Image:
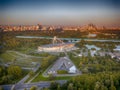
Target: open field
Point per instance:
(23, 60)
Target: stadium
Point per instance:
(57, 46)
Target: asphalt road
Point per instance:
(41, 84)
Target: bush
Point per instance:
(33, 88)
(62, 72)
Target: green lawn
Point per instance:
(41, 78)
(7, 57)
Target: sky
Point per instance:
(60, 12)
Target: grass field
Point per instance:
(41, 78)
(7, 57)
(19, 59)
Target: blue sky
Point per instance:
(60, 12)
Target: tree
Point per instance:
(1, 71)
(44, 89)
(15, 71)
(58, 87)
(112, 87)
(53, 86)
(104, 87)
(31, 73)
(70, 86)
(33, 88)
(97, 86)
(93, 49)
(51, 77)
(25, 89)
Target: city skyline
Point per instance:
(60, 12)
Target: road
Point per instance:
(34, 77)
(38, 84)
(41, 84)
(27, 76)
(21, 85)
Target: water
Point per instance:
(70, 39)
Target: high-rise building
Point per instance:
(39, 27)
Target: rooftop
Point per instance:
(56, 45)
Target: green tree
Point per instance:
(1, 71)
(31, 73)
(70, 86)
(104, 87)
(6, 79)
(97, 86)
(112, 87)
(15, 71)
(53, 86)
(51, 77)
(25, 89)
(33, 88)
(58, 87)
(45, 89)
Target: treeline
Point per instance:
(110, 31)
(89, 64)
(107, 46)
(108, 34)
(10, 42)
(104, 34)
(99, 81)
(10, 74)
(68, 33)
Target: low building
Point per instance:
(63, 63)
(117, 48)
(92, 35)
(72, 69)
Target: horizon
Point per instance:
(82, 25)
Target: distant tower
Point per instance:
(91, 27)
(20, 28)
(59, 29)
(104, 28)
(39, 27)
